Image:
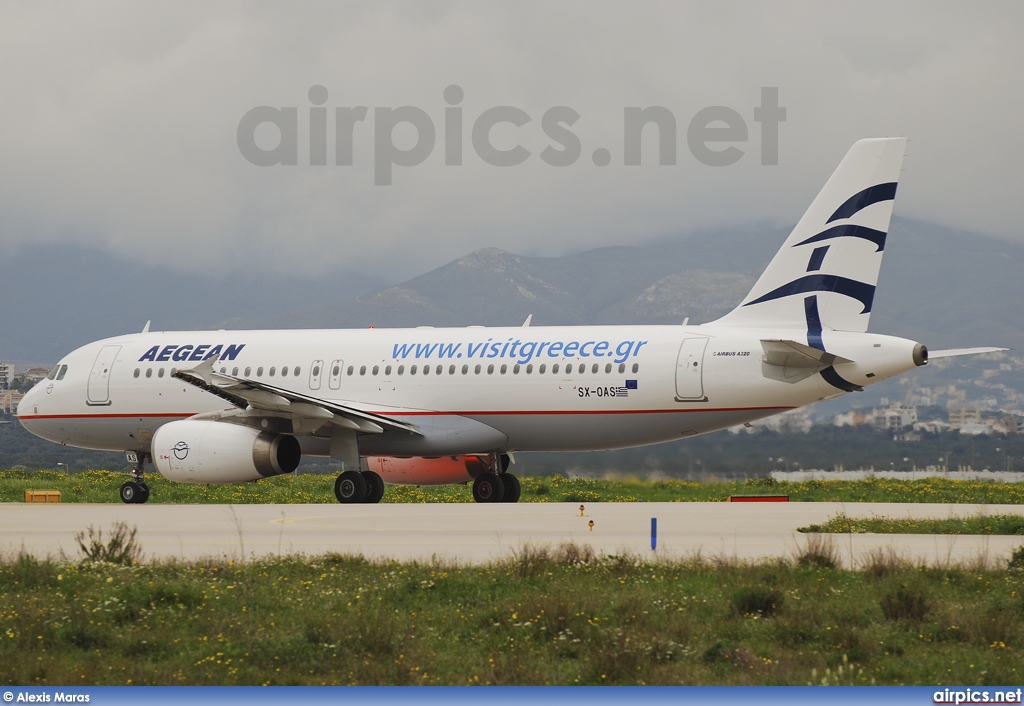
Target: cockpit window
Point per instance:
(52, 375)
(63, 372)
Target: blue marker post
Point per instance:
(654, 533)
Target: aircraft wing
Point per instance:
(244, 393)
(952, 352)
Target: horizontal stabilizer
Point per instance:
(790, 354)
(953, 352)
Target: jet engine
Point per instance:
(198, 451)
(427, 470)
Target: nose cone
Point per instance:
(28, 408)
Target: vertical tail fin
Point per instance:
(824, 276)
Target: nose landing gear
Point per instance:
(135, 491)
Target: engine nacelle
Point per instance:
(197, 451)
(427, 470)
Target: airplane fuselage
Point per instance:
(468, 390)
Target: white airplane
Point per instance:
(435, 406)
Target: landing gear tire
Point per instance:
(350, 487)
(144, 495)
(374, 487)
(488, 488)
(132, 493)
(512, 488)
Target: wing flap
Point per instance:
(244, 393)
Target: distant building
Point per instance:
(9, 401)
(34, 375)
(6, 375)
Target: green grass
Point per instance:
(979, 524)
(544, 616)
(101, 486)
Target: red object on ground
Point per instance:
(759, 498)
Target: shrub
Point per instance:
(906, 603)
(757, 600)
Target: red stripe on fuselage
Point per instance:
(475, 413)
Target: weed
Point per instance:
(119, 549)
(1017, 559)
(820, 552)
(882, 562)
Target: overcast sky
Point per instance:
(119, 123)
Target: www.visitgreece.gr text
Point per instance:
(521, 351)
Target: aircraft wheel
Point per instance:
(375, 487)
(512, 488)
(144, 494)
(350, 487)
(488, 488)
(131, 493)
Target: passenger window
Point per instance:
(476, 371)
(595, 368)
(248, 372)
(622, 367)
(465, 369)
(515, 369)
(362, 370)
(529, 368)
(173, 371)
(160, 373)
(137, 372)
(149, 372)
(412, 370)
(451, 369)
(234, 371)
(401, 369)
(554, 369)
(349, 372)
(272, 371)
(284, 371)
(387, 371)
(636, 367)
(297, 371)
(440, 369)
(504, 368)
(316, 370)
(224, 370)
(376, 369)
(608, 368)
(568, 368)
(490, 369)
(426, 370)
(542, 368)
(259, 372)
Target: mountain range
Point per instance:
(945, 287)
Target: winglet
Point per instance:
(526, 324)
(145, 329)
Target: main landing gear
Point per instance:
(497, 485)
(135, 491)
(359, 487)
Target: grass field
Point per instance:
(546, 616)
(979, 524)
(100, 486)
